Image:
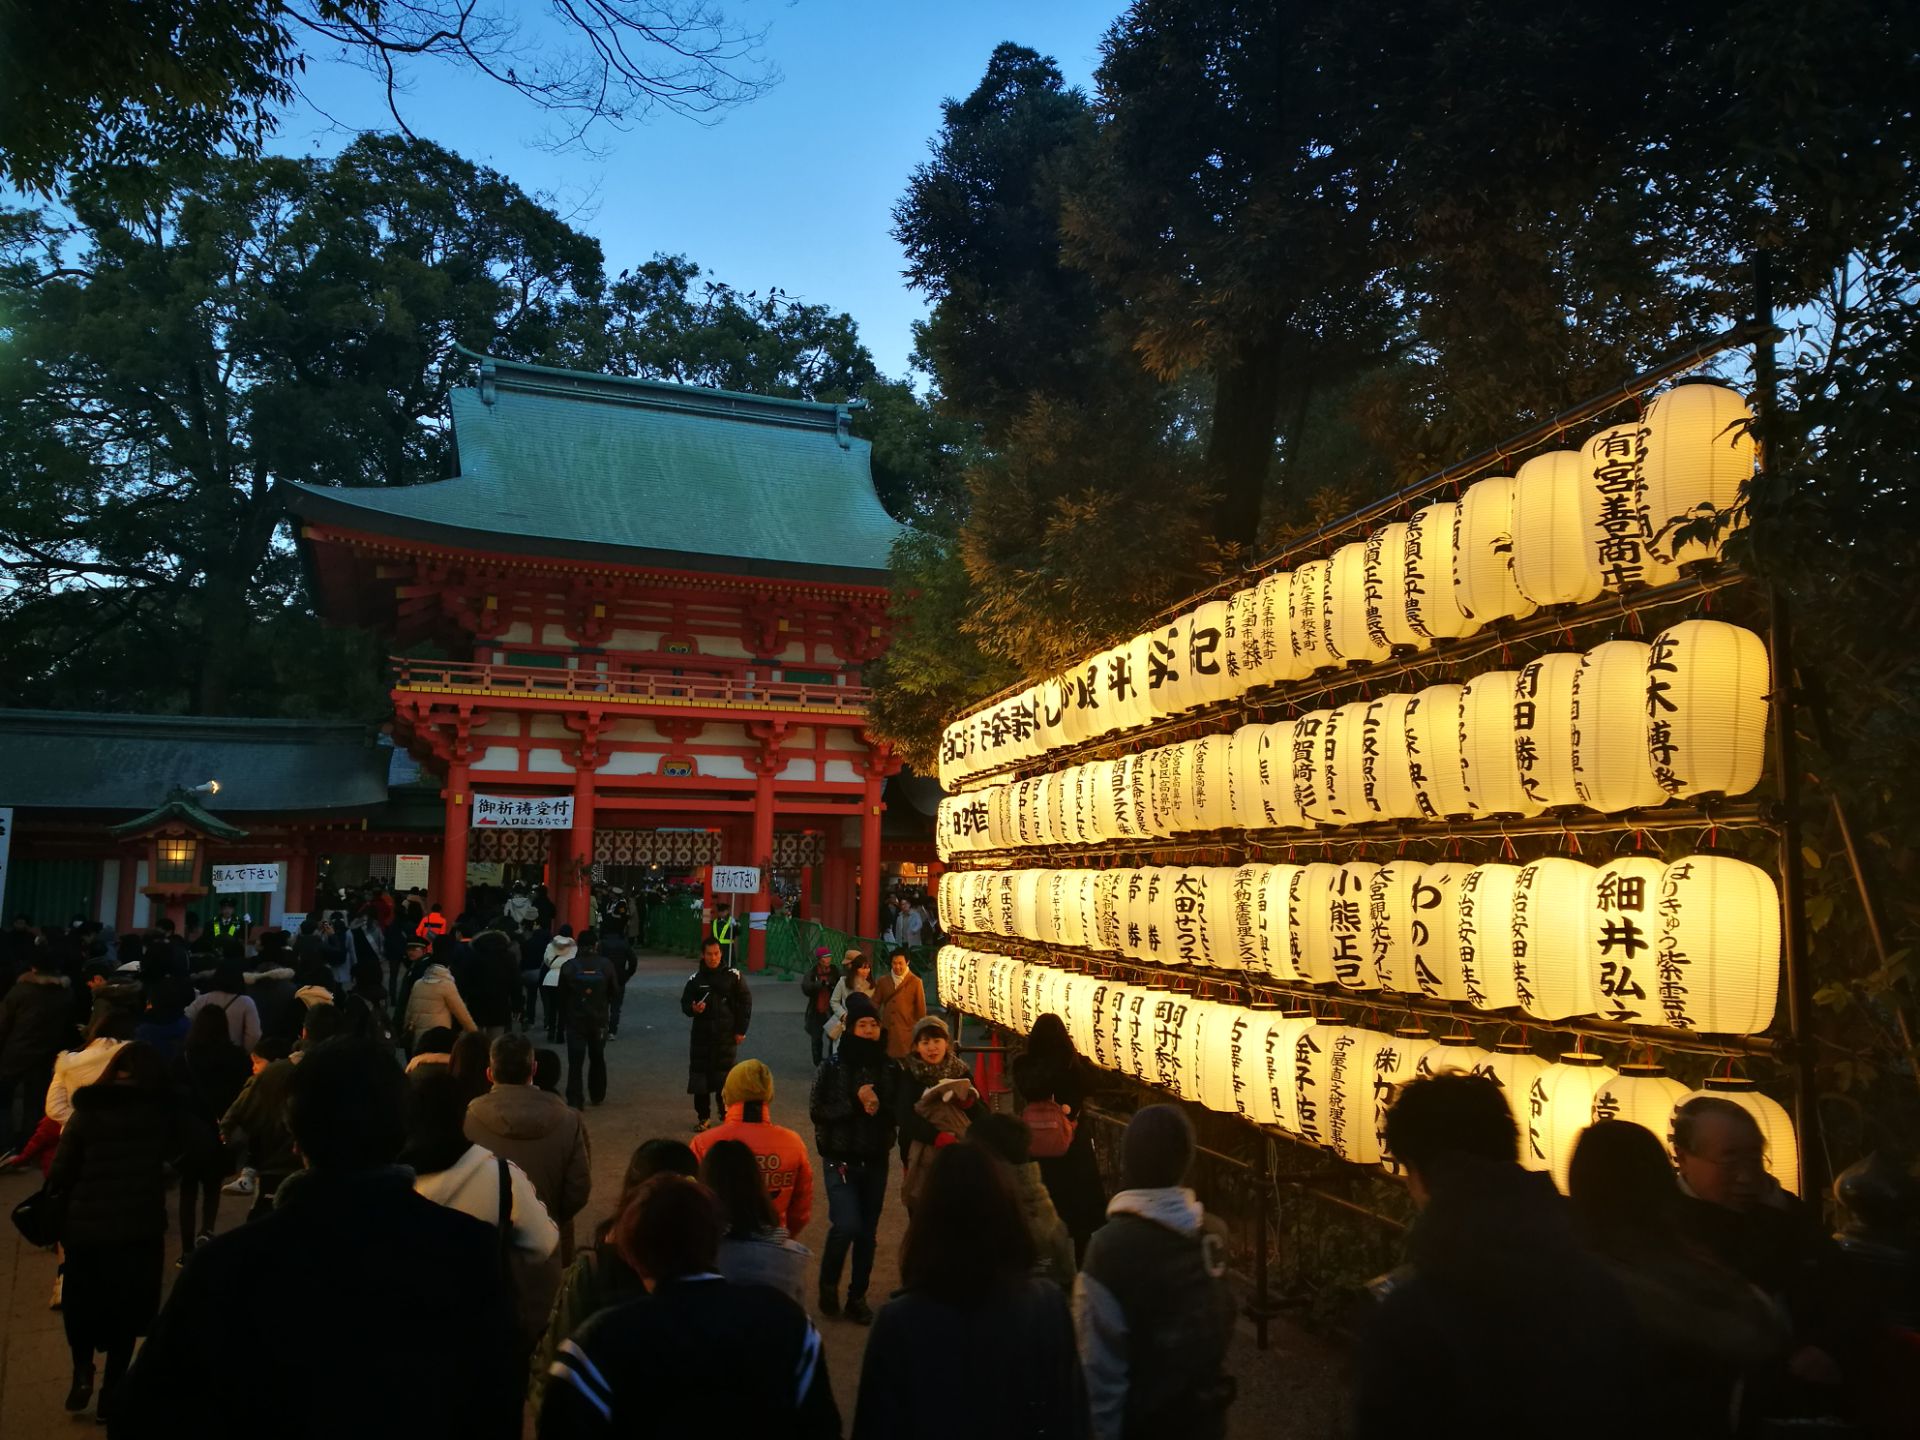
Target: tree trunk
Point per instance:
(220, 627)
(1246, 419)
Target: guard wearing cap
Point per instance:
(784, 1167)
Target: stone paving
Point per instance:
(1294, 1389)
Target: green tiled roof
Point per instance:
(639, 472)
(72, 760)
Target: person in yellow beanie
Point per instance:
(781, 1154)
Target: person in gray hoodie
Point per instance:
(536, 1130)
(1151, 1305)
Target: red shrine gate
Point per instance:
(651, 598)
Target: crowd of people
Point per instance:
(396, 1131)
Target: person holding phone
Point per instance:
(717, 1000)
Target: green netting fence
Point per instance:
(677, 930)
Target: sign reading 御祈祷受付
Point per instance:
(522, 812)
(246, 879)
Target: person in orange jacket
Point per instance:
(433, 924)
(781, 1153)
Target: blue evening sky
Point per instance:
(794, 189)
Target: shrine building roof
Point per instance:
(77, 760)
(572, 465)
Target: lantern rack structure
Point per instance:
(1776, 814)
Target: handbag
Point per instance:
(1052, 1129)
(38, 1218)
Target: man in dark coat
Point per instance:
(36, 1023)
(589, 986)
(348, 1239)
(717, 1000)
(490, 982)
(852, 1106)
(1487, 1236)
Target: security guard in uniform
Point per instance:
(227, 927)
(724, 929)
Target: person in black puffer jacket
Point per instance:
(490, 981)
(110, 1175)
(852, 1105)
(718, 1002)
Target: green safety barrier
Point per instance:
(791, 943)
(675, 929)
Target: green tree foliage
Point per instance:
(121, 90)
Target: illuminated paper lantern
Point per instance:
(1212, 678)
(1249, 895)
(1352, 636)
(1170, 1051)
(1716, 949)
(1450, 1053)
(1241, 645)
(1104, 927)
(1314, 1077)
(1250, 1095)
(1209, 803)
(1133, 1033)
(1082, 1003)
(1483, 553)
(1554, 563)
(1437, 963)
(1340, 927)
(1696, 454)
(1543, 729)
(1200, 905)
(1641, 1095)
(1488, 759)
(1051, 713)
(1133, 797)
(1082, 692)
(1559, 1107)
(1514, 1068)
(1349, 1095)
(1261, 776)
(1211, 1067)
(1386, 771)
(1308, 894)
(1391, 923)
(1611, 770)
(1621, 925)
(1310, 793)
(1270, 651)
(1306, 626)
(1489, 766)
(1223, 916)
(1273, 936)
(1433, 609)
(1553, 977)
(1483, 936)
(1381, 1063)
(1103, 819)
(1610, 513)
(1433, 752)
(1166, 668)
(1388, 628)
(1783, 1145)
(1707, 689)
(1274, 1065)
(1343, 753)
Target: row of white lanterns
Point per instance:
(1692, 945)
(1330, 1085)
(1623, 726)
(1568, 525)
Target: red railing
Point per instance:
(628, 687)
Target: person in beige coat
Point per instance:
(539, 1132)
(435, 1001)
(902, 1001)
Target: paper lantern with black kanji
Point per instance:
(1170, 1047)
(1249, 894)
(1103, 1010)
(1343, 749)
(1242, 644)
(1388, 627)
(1386, 773)
(1196, 902)
(1353, 639)
(1143, 895)
(1211, 1067)
(1166, 669)
(1483, 553)
(1610, 511)
(1514, 1068)
(1349, 1095)
(1450, 1053)
(1278, 1062)
(1642, 1095)
(1433, 752)
(1716, 946)
(1083, 999)
(1249, 1094)
(1212, 678)
(1188, 683)
(1433, 609)
(1273, 937)
(1559, 1107)
(1308, 895)
(1776, 1126)
(1622, 919)
(1543, 729)
(1278, 663)
(1314, 1052)
(1132, 798)
(1552, 970)
(1261, 774)
(1554, 563)
(1133, 1033)
(1309, 768)
(1084, 926)
(1489, 763)
(1391, 923)
(1706, 698)
(1080, 722)
(1696, 456)
(1483, 936)
(1339, 928)
(1611, 771)
(1383, 1064)
(1209, 803)
(1223, 915)
(1306, 625)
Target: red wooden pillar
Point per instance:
(453, 850)
(760, 852)
(578, 875)
(870, 808)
